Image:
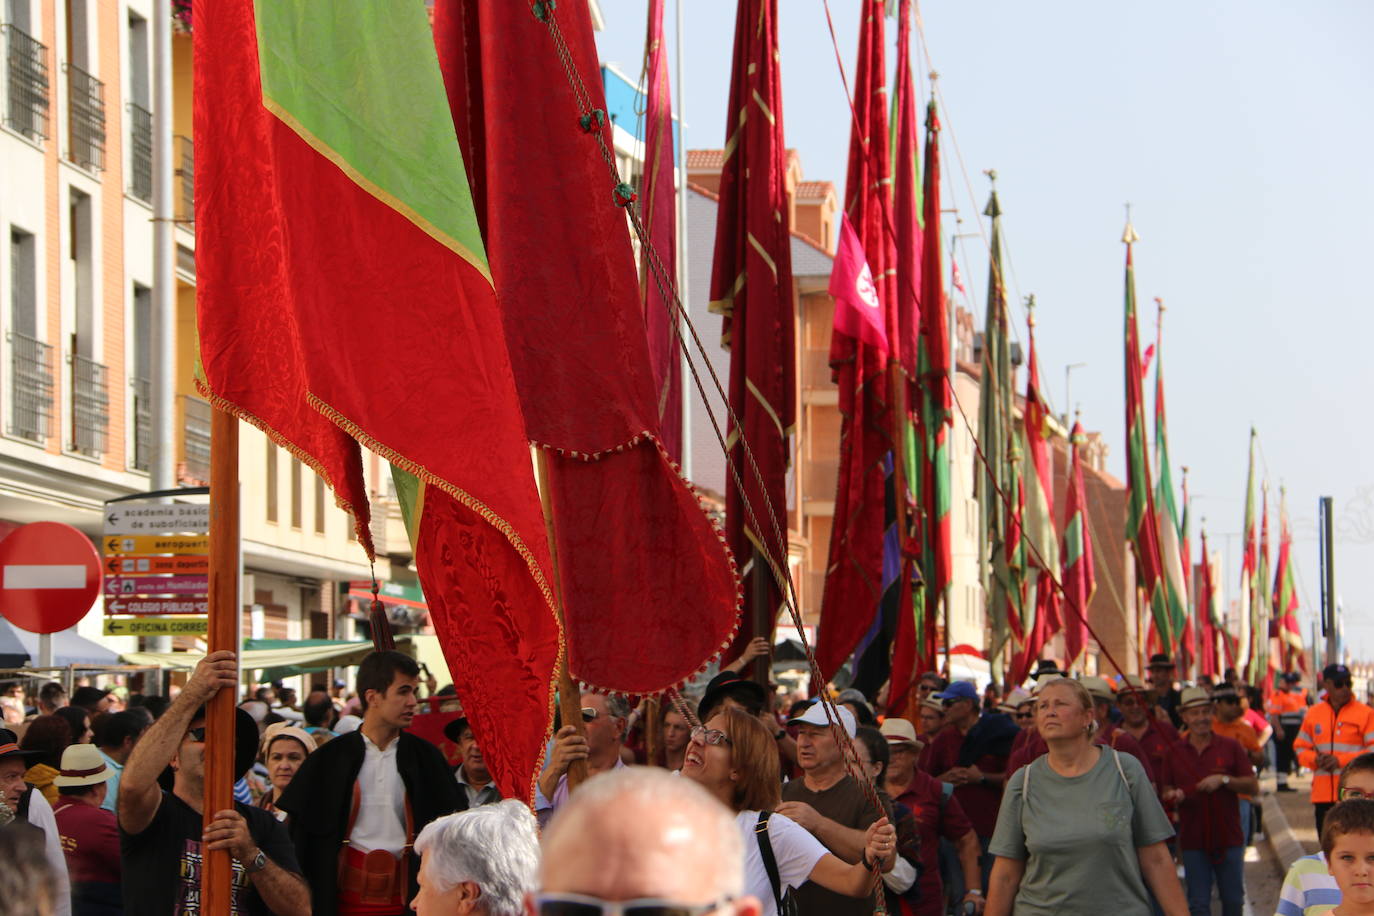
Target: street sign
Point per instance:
(188, 565)
(156, 626)
(49, 576)
(157, 585)
(144, 607)
(148, 518)
(155, 543)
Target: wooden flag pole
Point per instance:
(216, 867)
(569, 695)
(653, 733)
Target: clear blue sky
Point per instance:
(1241, 132)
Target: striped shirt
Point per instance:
(1308, 889)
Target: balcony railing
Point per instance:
(196, 433)
(31, 387)
(143, 423)
(141, 153)
(26, 84)
(90, 406)
(186, 175)
(86, 116)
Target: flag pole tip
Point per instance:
(1129, 235)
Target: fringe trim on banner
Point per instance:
(637, 440)
(220, 403)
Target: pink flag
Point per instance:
(958, 279)
(858, 313)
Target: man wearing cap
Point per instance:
(1167, 696)
(829, 803)
(1333, 733)
(938, 815)
(162, 835)
(92, 699)
(1154, 735)
(90, 835)
(29, 805)
(471, 773)
(1286, 709)
(1205, 774)
(971, 754)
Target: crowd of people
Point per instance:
(1056, 797)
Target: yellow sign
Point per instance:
(155, 543)
(156, 626)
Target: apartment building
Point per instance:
(76, 178)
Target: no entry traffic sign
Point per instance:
(49, 577)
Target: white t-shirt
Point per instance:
(795, 850)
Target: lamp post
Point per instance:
(1068, 402)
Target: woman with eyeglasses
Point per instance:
(735, 759)
(1308, 888)
(1081, 816)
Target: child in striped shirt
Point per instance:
(1309, 889)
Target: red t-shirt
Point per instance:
(1112, 736)
(90, 839)
(980, 802)
(1207, 820)
(933, 821)
(1025, 749)
(1158, 738)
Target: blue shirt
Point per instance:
(112, 785)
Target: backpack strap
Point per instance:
(770, 864)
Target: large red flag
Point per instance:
(344, 295)
(854, 572)
(751, 286)
(660, 219)
(649, 589)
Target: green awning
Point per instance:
(278, 658)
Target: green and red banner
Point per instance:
(1076, 556)
(1289, 634)
(345, 297)
(1040, 609)
(1170, 519)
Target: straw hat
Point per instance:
(1100, 688)
(82, 765)
(900, 732)
(1194, 696)
(1014, 700)
(1132, 683)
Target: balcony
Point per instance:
(140, 153)
(26, 84)
(90, 406)
(86, 116)
(31, 388)
(143, 423)
(195, 428)
(186, 176)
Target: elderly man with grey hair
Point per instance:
(483, 861)
(642, 840)
(604, 719)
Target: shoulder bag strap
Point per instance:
(770, 864)
(1116, 757)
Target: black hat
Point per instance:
(246, 740)
(88, 696)
(731, 683)
(1161, 660)
(1292, 677)
(1335, 673)
(9, 747)
(1225, 692)
(1046, 667)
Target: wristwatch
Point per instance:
(257, 863)
(1225, 779)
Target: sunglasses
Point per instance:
(1351, 794)
(579, 905)
(1340, 683)
(197, 735)
(1029, 714)
(712, 736)
(589, 714)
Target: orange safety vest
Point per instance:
(1345, 735)
(1284, 703)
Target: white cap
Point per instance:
(815, 715)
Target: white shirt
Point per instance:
(381, 822)
(41, 816)
(795, 850)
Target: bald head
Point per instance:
(640, 832)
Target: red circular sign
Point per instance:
(49, 577)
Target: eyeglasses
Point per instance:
(589, 714)
(1029, 714)
(710, 736)
(579, 905)
(1349, 794)
(950, 701)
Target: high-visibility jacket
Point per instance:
(1344, 735)
(1286, 703)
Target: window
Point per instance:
(31, 368)
(140, 112)
(295, 492)
(271, 481)
(141, 376)
(319, 504)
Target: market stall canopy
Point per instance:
(279, 658)
(68, 648)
